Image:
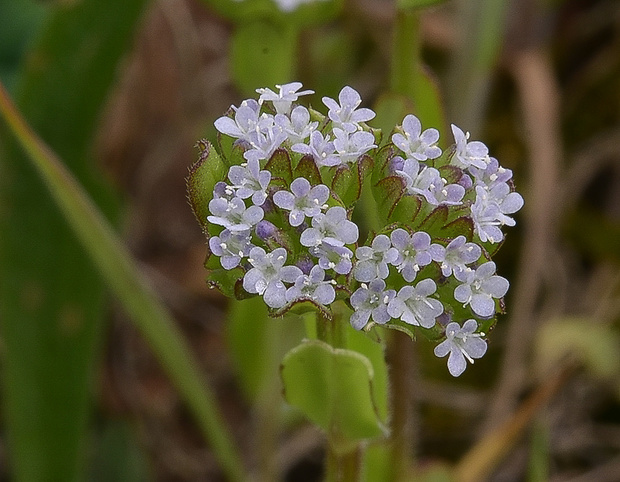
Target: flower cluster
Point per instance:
(280, 218)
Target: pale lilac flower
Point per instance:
(457, 255)
(337, 258)
(461, 343)
(413, 305)
(415, 143)
(419, 181)
(250, 181)
(231, 247)
(346, 115)
(264, 142)
(284, 98)
(480, 287)
(233, 215)
(320, 148)
(371, 301)
(312, 286)
(302, 201)
(247, 121)
(443, 193)
(490, 211)
(268, 275)
(351, 146)
(414, 251)
(373, 261)
(467, 154)
(331, 227)
(492, 175)
(298, 127)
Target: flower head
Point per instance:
(320, 148)
(250, 181)
(247, 120)
(462, 343)
(337, 258)
(457, 255)
(298, 127)
(233, 215)
(350, 146)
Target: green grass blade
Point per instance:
(117, 267)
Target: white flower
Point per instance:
(331, 227)
(346, 115)
(415, 143)
(231, 247)
(233, 215)
(302, 201)
(371, 300)
(473, 153)
(480, 287)
(414, 252)
(267, 276)
(312, 286)
(298, 127)
(250, 181)
(373, 261)
(413, 305)
(461, 343)
(284, 98)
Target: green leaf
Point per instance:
(375, 352)
(53, 301)
(435, 221)
(406, 210)
(348, 180)
(280, 166)
(382, 162)
(388, 193)
(262, 55)
(307, 168)
(460, 226)
(333, 388)
(203, 175)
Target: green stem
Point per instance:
(117, 267)
(406, 53)
(339, 466)
(407, 79)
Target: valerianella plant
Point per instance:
(277, 202)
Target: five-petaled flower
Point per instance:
(462, 343)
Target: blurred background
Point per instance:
(122, 90)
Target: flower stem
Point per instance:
(340, 466)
